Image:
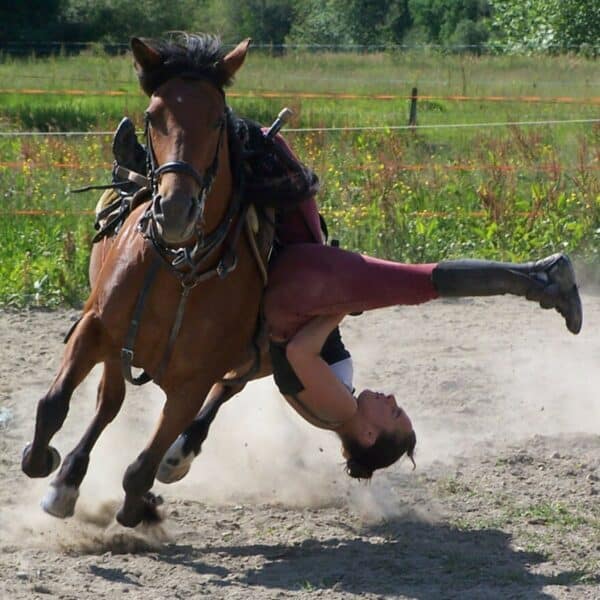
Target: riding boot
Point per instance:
(549, 281)
(128, 153)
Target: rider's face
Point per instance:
(382, 412)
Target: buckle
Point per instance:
(223, 269)
(182, 257)
(127, 354)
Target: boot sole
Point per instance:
(565, 277)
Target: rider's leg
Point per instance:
(128, 152)
(131, 155)
(308, 280)
(549, 281)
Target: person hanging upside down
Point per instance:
(313, 286)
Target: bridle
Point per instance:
(204, 180)
(186, 260)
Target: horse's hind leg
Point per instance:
(177, 414)
(179, 457)
(60, 499)
(84, 349)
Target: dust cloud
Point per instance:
(486, 389)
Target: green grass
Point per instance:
(506, 192)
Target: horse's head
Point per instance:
(186, 129)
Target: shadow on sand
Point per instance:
(397, 558)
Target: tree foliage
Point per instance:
(449, 22)
(118, 20)
(350, 22)
(550, 24)
(577, 23)
(30, 19)
(561, 25)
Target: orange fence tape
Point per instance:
(328, 95)
(53, 165)
(414, 167)
(425, 214)
(40, 92)
(40, 212)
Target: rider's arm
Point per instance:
(323, 394)
(309, 339)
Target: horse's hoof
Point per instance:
(51, 463)
(127, 518)
(60, 500)
(175, 463)
(53, 459)
(146, 510)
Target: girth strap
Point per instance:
(174, 332)
(127, 350)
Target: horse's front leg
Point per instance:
(179, 457)
(178, 412)
(84, 349)
(60, 499)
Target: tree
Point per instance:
(30, 20)
(319, 22)
(118, 20)
(265, 21)
(577, 23)
(451, 21)
(524, 23)
(550, 24)
(350, 22)
(398, 21)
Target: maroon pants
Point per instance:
(309, 280)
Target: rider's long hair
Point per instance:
(361, 460)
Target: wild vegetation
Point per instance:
(420, 194)
(497, 26)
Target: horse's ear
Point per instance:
(145, 57)
(235, 59)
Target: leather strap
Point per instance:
(128, 347)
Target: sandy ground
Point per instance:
(504, 503)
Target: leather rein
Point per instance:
(188, 263)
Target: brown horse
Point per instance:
(176, 292)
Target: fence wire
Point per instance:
(303, 130)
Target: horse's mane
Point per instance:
(189, 55)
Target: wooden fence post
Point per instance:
(412, 117)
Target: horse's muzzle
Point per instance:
(176, 218)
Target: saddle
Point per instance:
(273, 175)
(267, 173)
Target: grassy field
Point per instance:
(508, 192)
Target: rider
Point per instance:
(313, 286)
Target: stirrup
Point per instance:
(559, 289)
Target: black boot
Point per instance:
(549, 281)
(128, 152)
